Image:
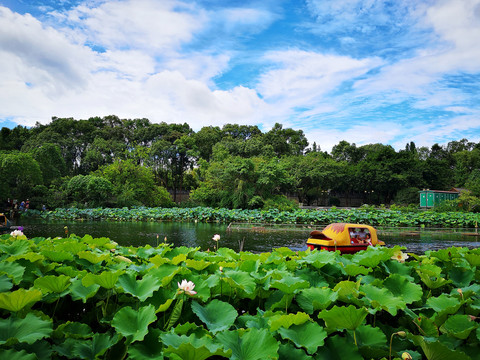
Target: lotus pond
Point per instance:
(255, 237)
(91, 298)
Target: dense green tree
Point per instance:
(19, 173)
(51, 162)
(90, 190)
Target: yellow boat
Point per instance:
(4, 222)
(345, 237)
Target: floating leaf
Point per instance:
(253, 344)
(191, 347)
(29, 329)
(343, 317)
(133, 324)
(308, 335)
(18, 299)
(142, 288)
(52, 283)
(217, 315)
(315, 299)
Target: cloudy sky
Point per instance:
(365, 71)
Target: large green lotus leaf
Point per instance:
(73, 330)
(201, 287)
(165, 273)
(277, 321)
(473, 259)
(430, 269)
(5, 283)
(372, 256)
(12, 270)
(96, 242)
(57, 256)
(29, 329)
(217, 315)
(312, 276)
(94, 348)
(289, 352)
(444, 304)
(80, 292)
(461, 277)
(319, 258)
(444, 254)
(278, 300)
(133, 324)
(309, 335)
(433, 282)
(396, 267)
(93, 258)
(107, 279)
(18, 299)
(382, 299)
(52, 283)
(191, 347)
(241, 280)
(141, 289)
(12, 354)
(343, 317)
(179, 259)
(29, 256)
(150, 348)
(289, 284)
(16, 248)
(71, 246)
(316, 299)
(438, 351)
(347, 290)
(338, 348)
(370, 336)
(354, 270)
(401, 286)
(197, 264)
(253, 344)
(459, 326)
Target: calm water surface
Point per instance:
(255, 238)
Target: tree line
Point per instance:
(113, 162)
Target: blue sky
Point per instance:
(365, 71)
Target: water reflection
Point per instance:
(255, 238)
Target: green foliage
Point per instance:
(90, 298)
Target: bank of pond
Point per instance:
(88, 297)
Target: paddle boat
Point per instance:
(344, 237)
(4, 222)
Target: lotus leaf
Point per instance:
(197, 264)
(241, 280)
(92, 258)
(191, 347)
(316, 299)
(343, 317)
(338, 348)
(473, 259)
(347, 290)
(319, 259)
(402, 287)
(438, 351)
(133, 324)
(12, 270)
(461, 277)
(52, 283)
(73, 330)
(106, 279)
(30, 256)
(277, 321)
(28, 330)
(141, 289)
(253, 344)
(71, 246)
(459, 326)
(149, 348)
(217, 315)
(80, 292)
(165, 273)
(309, 335)
(18, 299)
(289, 284)
(290, 352)
(12, 354)
(444, 304)
(57, 256)
(94, 348)
(373, 256)
(382, 299)
(370, 336)
(178, 259)
(5, 283)
(16, 248)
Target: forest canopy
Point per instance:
(113, 162)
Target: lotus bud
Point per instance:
(406, 356)
(220, 268)
(401, 333)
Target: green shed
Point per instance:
(430, 198)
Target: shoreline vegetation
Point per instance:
(368, 215)
(85, 298)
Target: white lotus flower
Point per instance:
(186, 287)
(399, 256)
(16, 233)
(216, 237)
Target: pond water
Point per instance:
(255, 238)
